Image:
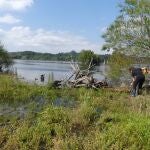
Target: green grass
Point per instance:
(101, 119)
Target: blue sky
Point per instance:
(55, 25)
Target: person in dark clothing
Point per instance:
(137, 81)
(42, 78)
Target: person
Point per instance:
(42, 78)
(137, 80)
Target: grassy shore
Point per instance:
(83, 119)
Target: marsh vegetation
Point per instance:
(45, 118)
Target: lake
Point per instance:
(30, 70)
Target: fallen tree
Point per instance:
(80, 78)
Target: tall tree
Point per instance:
(130, 32)
(5, 59)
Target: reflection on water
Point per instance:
(31, 70)
(21, 110)
(61, 102)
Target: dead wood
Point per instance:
(81, 78)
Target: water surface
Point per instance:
(31, 70)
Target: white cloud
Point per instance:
(15, 4)
(9, 19)
(22, 38)
(104, 29)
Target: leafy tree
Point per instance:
(87, 56)
(130, 32)
(118, 64)
(5, 59)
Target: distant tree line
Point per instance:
(29, 55)
(84, 56)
